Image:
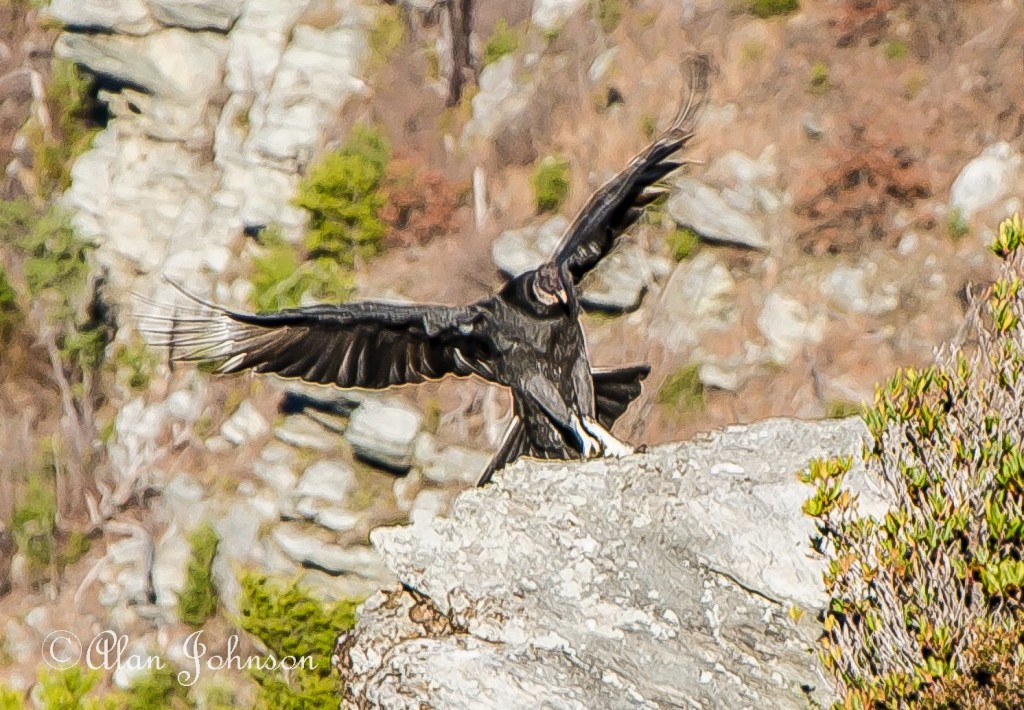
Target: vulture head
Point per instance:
(543, 291)
(548, 287)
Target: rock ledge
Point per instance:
(661, 580)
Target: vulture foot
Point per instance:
(610, 446)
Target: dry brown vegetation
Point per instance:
(421, 204)
(871, 177)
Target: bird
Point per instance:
(526, 336)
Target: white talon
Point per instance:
(609, 445)
(589, 445)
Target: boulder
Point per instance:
(244, 425)
(986, 179)
(338, 519)
(619, 281)
(702, 209)
(302, 432)
(787, 325)
(130, 17)
(384, 432)
(848, 288)
(173, 63)
(311, 549)
(278, 476)
(660, 580)
(500, 96)
(518, 250)
(746, 183)
(550, 14)
(456, 464)
(428, 505)
(326, 480)
(197, 14)
(698, 297)
(170, 559)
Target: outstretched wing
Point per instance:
(364, 344)
(619, 202)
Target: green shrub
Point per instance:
(137, 362)
(753, 51)
(219, 697)
(34, 526)
(10, 315)
(198, 599)
(280, 278)
(648, 126)
(840, 409)
(926, 605)
(772, 8)
(957, 225)
(343, 198)
(7, 657)
(55, 264)
(896, 50)
(158, 689)
(289, 622)
(551, 183)
(914, 84)
(608, 13)
(67, 96)
(683, 243)
(72, 688)
(11, 699)
(503, 40)
(820, 83)
(386, 35)
(277, 279)
(683, 390)
(67, 690)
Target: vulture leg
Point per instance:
(590, 446)
(610, 446)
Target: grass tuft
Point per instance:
(503, 41)
(198, 601)
(551, 183)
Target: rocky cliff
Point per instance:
(216, 109)
(668, 579)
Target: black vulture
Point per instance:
(527, 336)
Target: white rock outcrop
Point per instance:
(658, 581)
(384, 432)
(217, 107)
(788, 326)
(986, 179)
(703, 209)
(550, 14)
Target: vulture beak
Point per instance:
(562, 295)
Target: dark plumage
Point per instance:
(526, 337)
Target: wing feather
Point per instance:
(619, 202)
(366, 344)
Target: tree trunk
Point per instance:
(460, 21)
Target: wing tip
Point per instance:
(701, 68)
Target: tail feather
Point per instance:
(614, 390)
